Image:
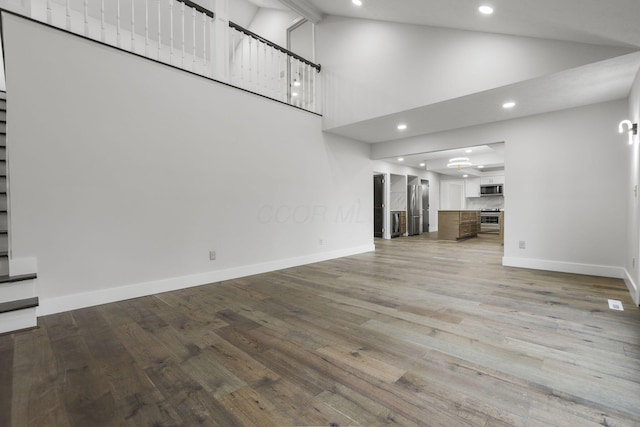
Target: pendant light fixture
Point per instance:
(459, 162)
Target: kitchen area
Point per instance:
(466, 193)
(471, 206)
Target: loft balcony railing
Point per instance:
(184, 34)
(264, 67)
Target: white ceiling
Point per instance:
(269, 4)
(485, 159)
(607, 22)
(599, 82)
(604, 22)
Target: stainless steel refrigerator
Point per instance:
(414, 209)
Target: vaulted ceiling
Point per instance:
(611, 22)
(608, 23)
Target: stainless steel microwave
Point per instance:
(491, 190)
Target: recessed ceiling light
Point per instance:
(509, 104)
(402, 126)
(485, 9)
(294, 94)
(465, 176)
(469, 151)
(423, 165)
(401, 159)
(357, 2)
(480, 167)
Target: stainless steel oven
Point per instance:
(490, 221)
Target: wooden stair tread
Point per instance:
(21, 304)
(18, 278)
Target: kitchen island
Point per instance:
(455, 225)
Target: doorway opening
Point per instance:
(378, 205)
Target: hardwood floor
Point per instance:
(421, 332)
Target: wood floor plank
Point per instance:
(41, 380)
(419, 332)
(6, 378)
(192, 402)
(359, 360)
(361, 410)
(251, 408)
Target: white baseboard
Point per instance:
(634, 290)
(104, 296)
(565, 267)
(18, 320)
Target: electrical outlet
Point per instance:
(212, 255)
(522, 244)
(320, 242)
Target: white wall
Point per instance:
(242, 12)
(572, 168)
(567, 185)
(272, 24)
(125, 174)
(374, 68)
(302, 41)
(632, 270)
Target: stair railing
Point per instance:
(261, 66)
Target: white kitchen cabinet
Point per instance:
(496, 179)
(472, 187)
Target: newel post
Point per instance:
(219, 41)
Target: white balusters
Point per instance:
(159, 29)
(274, 92)
(282, 76)
(265, 70)
(212, 44)
(257, 63)
(182, 19)
(103, 30)
(307, 93)
(171, 31)
(250, 59)
(118, 37)
(300, 72)
(295, 83)
(68, 13)
(86, 18)
(204, 40)
(314, 92)
(193, 29)
(243, 47)
(232, 49)
(300, 89)
(49, 12)
(146, 28)
(133, 26)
